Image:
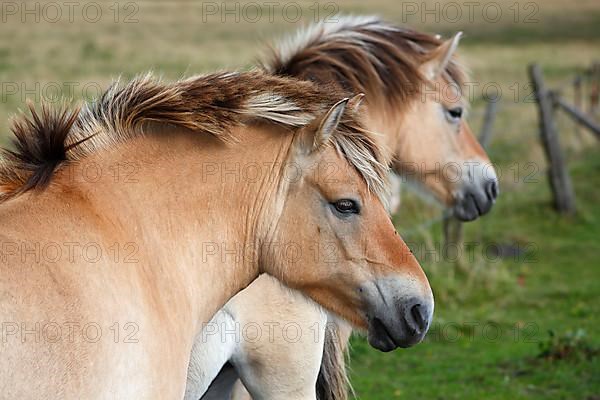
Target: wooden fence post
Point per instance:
(578, 101)
(560, 182)
(453, 238)
(577, 115)
(488, 123)
(452, 227)
(594, 88)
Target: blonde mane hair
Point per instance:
(211, 104)
(360, 54)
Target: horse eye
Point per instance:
(346, 206)
(455, 113)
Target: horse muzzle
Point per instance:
(398, 320)
(477, 194)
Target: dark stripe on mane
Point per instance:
(360, 54)
(39, 147)
(212, 104)
(333, 382)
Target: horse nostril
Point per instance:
(418, 313)
(492, 189)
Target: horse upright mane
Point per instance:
(360, 54)
(211, 104)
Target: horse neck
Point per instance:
(184, 199)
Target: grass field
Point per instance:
(490, 338)
(492, 325)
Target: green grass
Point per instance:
(555, 288)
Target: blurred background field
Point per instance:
(517, 327)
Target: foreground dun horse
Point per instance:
(412, 82)
(119, 223)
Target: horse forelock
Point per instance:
(212, 104)
(361, 54)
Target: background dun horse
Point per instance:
(394, 66)
(173, 131)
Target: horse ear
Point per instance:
(355, 102)
(439, 58)
(328, 123)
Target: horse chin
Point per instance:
(474, 202)
(467, 210)
(386, 336)
(379, 337)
